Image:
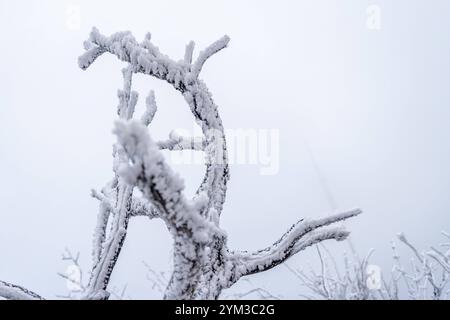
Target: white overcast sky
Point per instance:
(372, 105)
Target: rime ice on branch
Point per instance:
(14, 292)
(425, 277)
(203, 265)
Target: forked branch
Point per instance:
(203, 265)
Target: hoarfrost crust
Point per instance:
(203, 263)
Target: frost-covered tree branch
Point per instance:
(176, 142)
(117, 203)
(206, 54)
(14, 292)
(426, 277)
(427, 274)
(300, 236)
(203, 265)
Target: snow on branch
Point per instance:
(441, 258)
(143, 208)
(176, 142)
(206, 54)
(14, 292)
(159, 184)
(420, 280)
(427, 269)
(200, 246)
(151, 48)
(117, 204)
(189, 53)
(146, 160)
(150, 110)
(127, 97)
(300, 236)
(202, 264)
(97, 44)
(145, 58)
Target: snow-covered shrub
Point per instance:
(427, 276)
